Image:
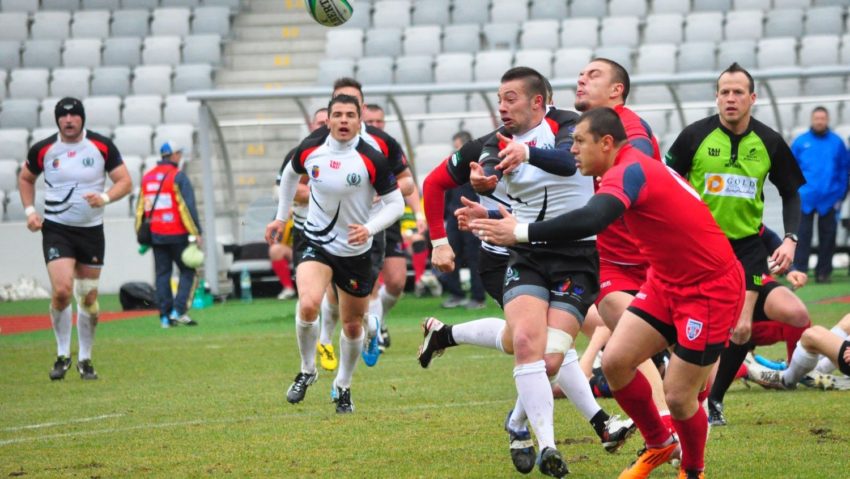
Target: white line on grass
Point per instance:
(61, 423)
(197, 422)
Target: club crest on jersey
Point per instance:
(88, 162)
(353, 284)
(52, 253)
(565, 286)
(314, 172)
(353, 179)
(693, 329)
(309, 252)
(455, 158)
(511, 275)
(336, 164)
(56, 163)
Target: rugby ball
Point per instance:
(330, 13)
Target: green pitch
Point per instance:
(209, 402)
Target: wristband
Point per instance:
(521, 232)
(30, 210)
(105, 198)
(439, 242)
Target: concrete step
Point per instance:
(252, 18)
(279, 32)
(287, 76)
(284, 60)
(295, 8)
(274, 46)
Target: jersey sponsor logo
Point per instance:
(693, 329)
(565, 285)
(314, 172)
(757, 280)
(168, 217)
(455, 158)
(723, 184)
(714, 152)
(353, 179)
(640, 295)
(72, 154)
(88, 162)
(353, 284)
(309, 252)
(511, 275)
(605, 284)
(752, 155)
(336, 164)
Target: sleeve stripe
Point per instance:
(370, 167)
(553, 125)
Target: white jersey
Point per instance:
(535, 194)
(299, 212)
(344, 179)
(491, 202)
(70, 171)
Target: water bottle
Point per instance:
(245, 286)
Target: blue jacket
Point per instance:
(825, 163)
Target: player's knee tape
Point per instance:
(82, 288)
(558, 341)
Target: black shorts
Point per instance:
(843, 366)
(491, 269)
(299, 242)
(567, 277)
(351, 274)
(83, 243)
(758, 311)
(752, 254)
(394, 241)
(379, 248)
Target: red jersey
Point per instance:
(616, 244)
(674, 230)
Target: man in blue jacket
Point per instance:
(825, 163)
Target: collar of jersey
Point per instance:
(342, 145)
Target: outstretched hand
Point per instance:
(481, 183)
(498, 232)
(513, 154)
(471, 210)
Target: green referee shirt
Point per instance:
(729, 170)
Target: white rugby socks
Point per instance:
(802, 362)
(62, 330)
(576, 387)
(535, 392)
(307, 334)
(349, 352)
(484, 332)
(329, 318)
(86, 324)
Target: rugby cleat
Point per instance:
(371, 351)
(185, 320)
(616, 432)
(552, 464)
(766, 377)
(385, 335)
(522, 448)
(819, 380)
(86, 369)
(649, 459)
(164, 322)
(298, 389)
(327, 357)
(343, 400)
(715, 413)
(433, 330)
(60, 367)
(683, 474)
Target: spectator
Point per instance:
(167, 198)
(825, 163)
(464, 243)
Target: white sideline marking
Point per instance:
(197, 422)
(60, 423)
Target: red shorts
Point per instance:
(615, 277)
(697, 317)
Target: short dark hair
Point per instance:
(604, 121)
(618, 75)
(550, 94)
(533, 80)
(319, 111)
(348, 82)
(820, 108)
(373, 107)
(344, 99)
(736, 68)
(463, 136)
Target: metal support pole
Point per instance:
(209, 236)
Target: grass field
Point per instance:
(209, 402)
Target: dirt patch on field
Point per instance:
(26, 324)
